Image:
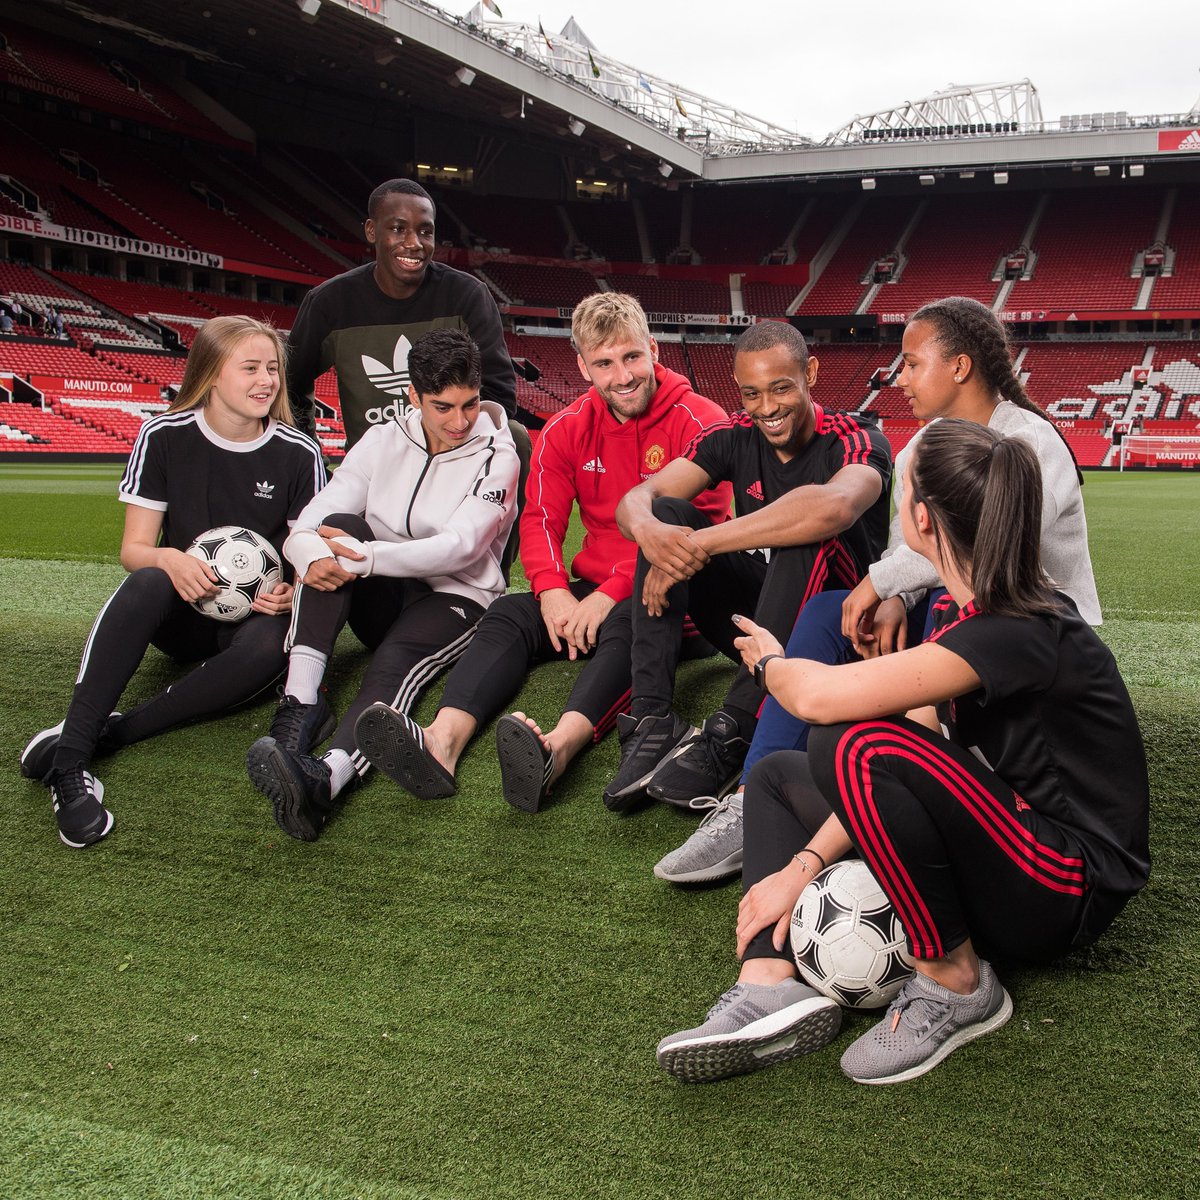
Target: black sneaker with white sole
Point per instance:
(37, 759)
(645, 743)
(708, 766)
(297, 785)
(78, 799)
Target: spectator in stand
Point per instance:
(6, 323)
(363, 322)
(634, 419)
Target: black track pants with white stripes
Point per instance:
(237, 663)
(957, 851)
(413, 632)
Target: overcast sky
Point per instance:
(812, 67)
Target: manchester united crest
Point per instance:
(655, 457)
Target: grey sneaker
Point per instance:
(714, 851)
(751, 1026)
(923, 1024)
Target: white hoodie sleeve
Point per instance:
(345, 492)
(471, 530)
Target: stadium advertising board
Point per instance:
(35, 227)
(116, 389)
(1179, 139)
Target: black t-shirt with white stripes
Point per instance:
(199, 480)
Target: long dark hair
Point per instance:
(983, 492)
(964, 326)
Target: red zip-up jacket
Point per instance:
(586, 455)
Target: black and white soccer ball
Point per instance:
(245, 565)
(848, 942)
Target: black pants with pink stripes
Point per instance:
(957, 852)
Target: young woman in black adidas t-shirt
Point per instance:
(1008, 809)
(225, 453)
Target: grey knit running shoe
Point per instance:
(923, 1024)
(753, 1025)
(714, 851)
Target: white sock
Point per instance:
(341, 770)
(306, 669)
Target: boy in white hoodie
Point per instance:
(405, 543)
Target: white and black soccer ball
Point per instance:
(245, 565)
(848, 941)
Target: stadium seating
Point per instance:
(673, 295)
(955, 248)
(1085, 245)
(742, 224)
(1182, 289)
(875, 232)
(539, 286)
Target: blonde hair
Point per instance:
(605, 316)
(216, 342)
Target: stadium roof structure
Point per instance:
(516, 83)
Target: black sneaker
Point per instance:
(644, 745)
(297, 785)
(37, 759)
(708, 766)
(299, 727)
(78, 798)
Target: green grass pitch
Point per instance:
(460, 1001)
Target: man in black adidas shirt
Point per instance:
(811, 492)
(363, 322)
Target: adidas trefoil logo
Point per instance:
(394, 379)
(264, 489)
(595, 465)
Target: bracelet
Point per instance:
(804, 863)
(816, 854)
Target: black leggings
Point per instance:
(238, 662)
(413, 632)
(958, 853)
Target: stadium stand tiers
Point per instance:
(1182, 288)
(875, 232)
(1085, 244)
(955, 249)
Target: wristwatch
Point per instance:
(760, 668)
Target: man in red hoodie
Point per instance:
(635, 418)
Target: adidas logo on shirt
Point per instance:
(496, 498)
(754, 491)
(462, 612)
(594, 465)
(394, 379)
(264, 490)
